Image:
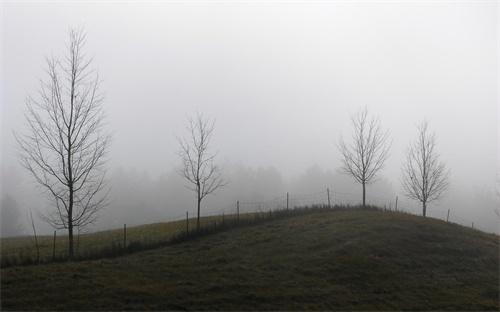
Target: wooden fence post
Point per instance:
(124, 236)
(238, 211)
(187, 222)
(448, 215)
(328, 194)
(396, 207)
(54, 248)
(223, 218)
(287, 197)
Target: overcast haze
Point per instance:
(281, 80)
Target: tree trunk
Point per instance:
(424, 208)
(198, 218)
(364, 195)
(70, 163)
(70, 223)
(70, 236)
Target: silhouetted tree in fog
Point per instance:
(10, 224)
(198, 166)
(369, 148)
(424, 177)
(65, 147)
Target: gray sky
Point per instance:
(281, 78)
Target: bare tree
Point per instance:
(424, 177)
(366, 154)
(198, 167)
(65, 145)
(35, 236)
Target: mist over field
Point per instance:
(281, 82)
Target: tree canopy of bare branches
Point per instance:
(368, 150)
(424, 177)
(64, 147)
(198, 167)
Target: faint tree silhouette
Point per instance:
(424, 177)
(65, 147)
(10, 217)
(366, 154)
(35, 236)
(198, 167)
(497, 193)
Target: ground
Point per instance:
(332, 260)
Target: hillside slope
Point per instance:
(337, 260)
(17, 249)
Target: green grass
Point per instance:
(15, 250)
(336, 260)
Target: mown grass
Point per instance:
(332, 260)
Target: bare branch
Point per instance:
(198, 167)
(368, 150)
(64, 147)
(424, 177)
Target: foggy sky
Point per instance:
(280, 78)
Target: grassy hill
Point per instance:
(335, 260)
(21, 249)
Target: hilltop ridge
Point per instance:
(335, 260)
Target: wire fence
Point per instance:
(25, 250)
(334, 198)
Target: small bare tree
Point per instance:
(424, 177)
(198, 167)
(65, 147)
(35, 236)
(366, 154)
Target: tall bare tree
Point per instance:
(198, 167)
(64, 146)
(424, 177)
(368, 150)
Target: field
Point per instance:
(22, 249)
(332, 260)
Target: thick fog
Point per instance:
(281, 80)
